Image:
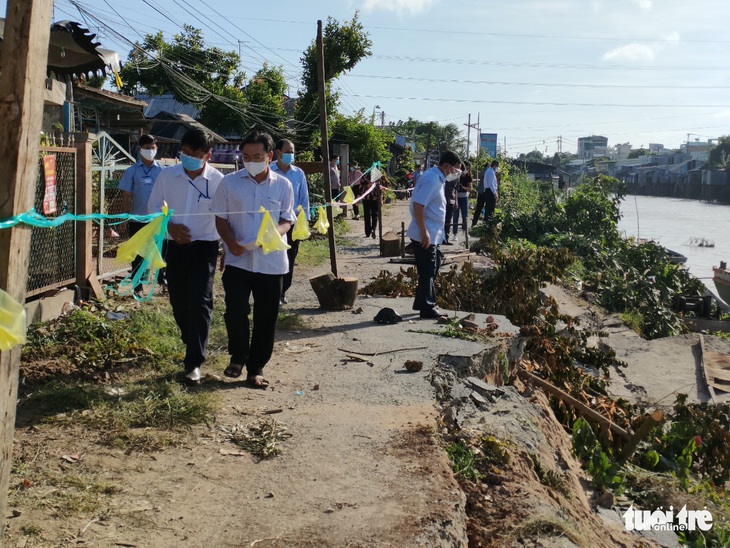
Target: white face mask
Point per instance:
(148, 153)
(254, 168)
(453, 176)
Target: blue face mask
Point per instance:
(191, 163)
(287, 158)
(337, 162)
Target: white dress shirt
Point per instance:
(429, 192)
(190, 199)
(238, 200)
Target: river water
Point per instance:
(672, 222)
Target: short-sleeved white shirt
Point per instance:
(429, 192)
(238, 200)
(190, 199)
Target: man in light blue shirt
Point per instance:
(136, 185)
(428, 215)
(249, 271)
(283, 165)
(487, 194)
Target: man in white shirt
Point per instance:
(487, 195)
(283, 165)
(428, 216)
(136, 185)
(249, 271)
(192, 243)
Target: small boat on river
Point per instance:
(700, 242)
(721, 277)
(716, 370)
(675, 257)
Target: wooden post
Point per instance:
(403, 239)
(85, 273)
(321, 84)
(23, 64)
(379, 197)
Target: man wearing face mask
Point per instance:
(249, 271)
(428, 216)
(136, 185)
(284, 151)
(188, 189)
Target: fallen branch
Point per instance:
(579, 406)
(379, 353)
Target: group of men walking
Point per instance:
(209, 207)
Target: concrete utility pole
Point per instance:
(23, 60)
(322, 88)
(469, 127)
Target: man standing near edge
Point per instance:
(192, 243)
(297, 178)
(248, 270)
(428, 216)
(487, 197)
(136, 185)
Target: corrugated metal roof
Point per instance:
(167, 103)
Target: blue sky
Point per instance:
(638, 71)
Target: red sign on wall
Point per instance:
(49, 171)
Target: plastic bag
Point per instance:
(322, 224)
(301, 228)
(12, 322)
(375, 174)
(349, 195)
(268, 237)
(143, 244)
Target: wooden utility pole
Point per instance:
(321, 85)
(23, 57)
(428, 146)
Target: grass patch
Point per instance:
(290, 322)
(132, 416)
(31, 530)
(463, 461)
(315, 250)
(548, 477)
(633, 319)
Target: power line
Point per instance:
(537, 103)
(539, 84)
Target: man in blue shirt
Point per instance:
(428, 216)
(136, 186)
(283, 165)
(487, 194)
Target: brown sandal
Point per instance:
(234, 370)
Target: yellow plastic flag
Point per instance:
(301, 228)
(143, 244)
(269, 238)
(322, 223)
(349, 195)
(12, 322)
(118, 80)
(375, 174)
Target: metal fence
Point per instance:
(110, 161)
(52, 258)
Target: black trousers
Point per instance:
(190, 272)
(370, 210)
(291, 253)
(428, 262)
(485, 199)
(134, 227)
(449, 216)
(252, 349)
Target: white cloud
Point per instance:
(631, 52)
(672, 37)
(645, 5)
(401, 7)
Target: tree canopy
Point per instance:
(368, 143)
(720, 153)
(345, 45)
